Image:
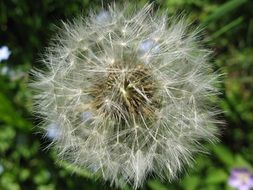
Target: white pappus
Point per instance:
(130, 94)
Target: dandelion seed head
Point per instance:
(130, 93)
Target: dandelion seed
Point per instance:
(130, 94)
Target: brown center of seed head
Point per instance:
(125, 92)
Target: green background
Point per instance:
(27, 26)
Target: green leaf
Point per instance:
(224, 155)
(216, 176)
(9, 114)
(7, 136)
(42, 177)
(191, 182)
(46, 187)
(156, 185)
(241, 162)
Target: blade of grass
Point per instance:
(223, 10)
(74, 169)
(227, 27)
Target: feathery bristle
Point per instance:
(129, 94)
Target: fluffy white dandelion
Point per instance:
(129, 94)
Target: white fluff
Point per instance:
(107, 133)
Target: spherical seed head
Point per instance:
(129, 93)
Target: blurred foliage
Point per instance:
(26, 28)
